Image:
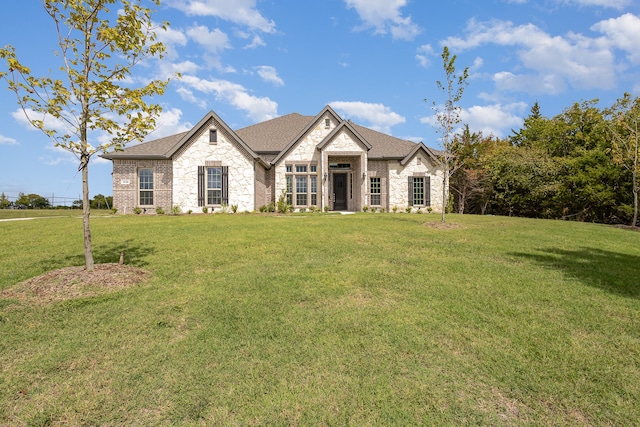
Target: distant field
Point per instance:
(363, 320)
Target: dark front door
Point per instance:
(340, 191)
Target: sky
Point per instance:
(375, 62)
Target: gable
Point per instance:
(175, 145)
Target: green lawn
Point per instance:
(362, 320)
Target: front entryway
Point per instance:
(340, 191)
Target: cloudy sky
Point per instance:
(373, 61)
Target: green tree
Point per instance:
(100, 42)
(623, 127)
(468, 180)
(448, 116)
(101, 202)
(32, 201)
(4, 201)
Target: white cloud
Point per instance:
(168, 123)
(255, 42)
(171, 38)
(188, 96)
(615, 4)
(376, 116)
(384, 16)
(258, 109)
(241, 12)
(554, 61)
(166, 69)
(50, 122)
(622, 33)
(213, 41)
(496, 119)
(7, 140)
(423, 54)
(269, 74)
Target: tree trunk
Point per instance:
(445, 184)
(634, 176)
(88, 251)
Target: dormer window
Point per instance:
(327, 123)
(213, 136)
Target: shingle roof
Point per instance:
(158, 148)
(273, 136)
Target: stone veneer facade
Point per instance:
(253, 183)
(224, 152)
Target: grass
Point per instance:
(367, 319)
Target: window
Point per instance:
(374, 186)
(420, 191)
(289, 191)
(214, 186)
(302, 184)
(146, 187)
(327, 123)
(301, 190)
(213, 136)
(314, 189)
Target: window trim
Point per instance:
(150, 190)
(426, 190)
(295, 171)
(377, 193)
(203, 188)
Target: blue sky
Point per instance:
(373, 61)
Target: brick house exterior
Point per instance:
(321, 161)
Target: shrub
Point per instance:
(429, 209)
(234, 208)
(373, 209)
(302, 210)
(365, 208)
(419, 211)
(271, 207)
(408, 209)
(137, 210)
(326, 208)
(382, 210)
(263, 208)
(189, 212)
(283, 206)
(395, 209)
(159, 211)
(114, 211)
(176, 210)
(205, 209)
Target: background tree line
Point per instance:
(581, 164)
(36, 201)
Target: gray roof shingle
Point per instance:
(273, 136)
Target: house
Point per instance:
(321, 161)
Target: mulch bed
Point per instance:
(76, 282)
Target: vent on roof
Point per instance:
(213, 136)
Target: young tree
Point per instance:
(623, 125)
(100, 42)
(448, 117)
(4, 201)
